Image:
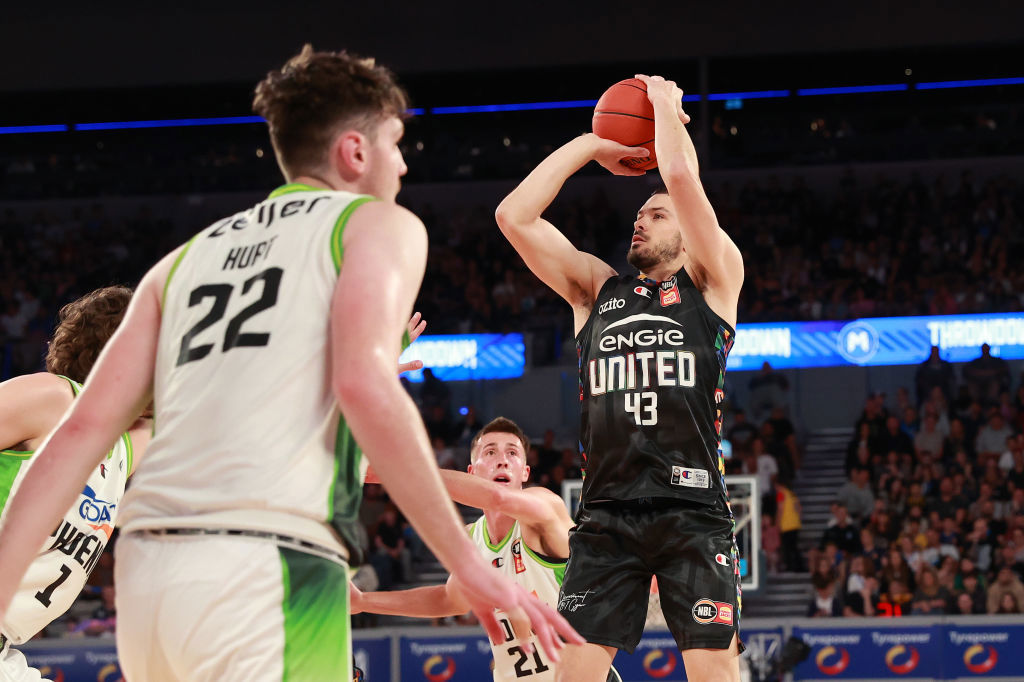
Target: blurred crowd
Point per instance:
(931, 519)
(861, 249)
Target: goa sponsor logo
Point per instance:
(641, 337)
(836, 666)
(433, 671)
(909, 662)
(93, 509)
(974, 661)
(656, 667)
(857, 342)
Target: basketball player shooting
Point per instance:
(653, 349)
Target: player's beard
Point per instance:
(650, 255)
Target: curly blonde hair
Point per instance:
(84, 326)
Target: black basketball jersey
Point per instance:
(652, 368)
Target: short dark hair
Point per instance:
(500, 425)
(314, 95)
(660, 189)
(84, 326)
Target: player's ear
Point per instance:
(526, 473)
(350, 154)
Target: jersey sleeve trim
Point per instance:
(337, 249)
(544, 562)
(126, 437)
(18, 454)
(177, 262)
(293, 187)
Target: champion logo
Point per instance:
(721, 560)
(642, 291)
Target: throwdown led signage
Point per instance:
(875, 341)
(461, 357)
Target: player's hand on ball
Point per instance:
(415, 327)
(659, 88)
(486, 590)
(609, 154)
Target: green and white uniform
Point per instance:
(249, 447)
(537, 574)
(58, 573)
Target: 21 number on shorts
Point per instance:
(234, 337)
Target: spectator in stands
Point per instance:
(929, 440)
(742, 432)
(957, 441)
(825, 603)
(947, 502)
(467, 427)
(987, 377)
(548, 455)
(992, 437)
(1007, 582)
(979, 544)
(767, 470)
(856, 496)
(391, 558)
(841, 532)
(788, 511)
(974, 588)
(571, 464)
(893, 439)
(874, 415)
(1008, 604)
(896, 568)
(1014, 445)
(897, 598)
(870, 550)
(768, 390)
(934, 373)
(930, 598)
(860, 450)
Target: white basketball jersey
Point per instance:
(58, 574)
(536, 574)
(247, 432)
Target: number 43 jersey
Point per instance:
(652, 362)
(247, 432)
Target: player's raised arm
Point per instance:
(708, 245)
(118, 389)
(574, 275)
(386, 245)
(536, 507)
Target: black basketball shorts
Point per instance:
(616, 547)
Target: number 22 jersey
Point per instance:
(247, 433)
(652, 360)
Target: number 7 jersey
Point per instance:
(247, 433)
(652, 360)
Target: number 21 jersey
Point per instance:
(652, 362)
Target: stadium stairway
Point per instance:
(821, 474)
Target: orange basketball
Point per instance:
(624, 114)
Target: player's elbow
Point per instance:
(679, 176)
(507, 217)
(356, 387)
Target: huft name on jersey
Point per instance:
(245, 256)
